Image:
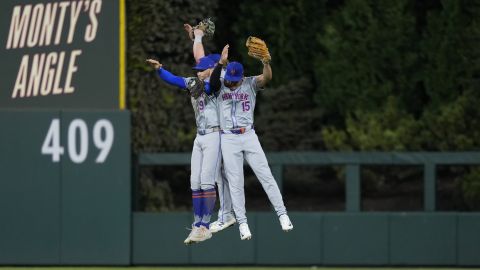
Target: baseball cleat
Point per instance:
(200, 234)
(189, 241)
(285, 223)
(218, 225)
(245, 233)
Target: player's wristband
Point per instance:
(198, 39)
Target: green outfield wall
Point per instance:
(65, 187)
(363, 239)
(352, 237)
(65, 177)
(65, 199)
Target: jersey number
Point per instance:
(201, 105)
(246, 106)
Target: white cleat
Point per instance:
(285, 223)
(218, 225)
(245, 233)
(189, 241)
(200, 234)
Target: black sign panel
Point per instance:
(61, 54)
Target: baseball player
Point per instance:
(206, 154)
(236, 103)
(226, 217)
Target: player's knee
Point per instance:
(195, 186)
(207, 186)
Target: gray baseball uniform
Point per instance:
(239, 141)
(207, 147)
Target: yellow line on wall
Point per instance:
(122, 93)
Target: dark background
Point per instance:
(358, 75)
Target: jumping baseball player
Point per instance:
(226, 217)
(206, 154)
(236, 103)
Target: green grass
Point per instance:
(228, 268)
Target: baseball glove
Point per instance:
(258, 49)
(195, 87)
(207, 26)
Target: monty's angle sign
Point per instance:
(61, 54)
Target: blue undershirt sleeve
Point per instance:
(207, 88)
(169, 78)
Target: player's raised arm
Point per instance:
(266, 76)
(205, 28)
(257, 48)
(196, 35)
(198, 50)
(166, 76)
(215, 82)
(189, 29)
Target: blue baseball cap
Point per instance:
(215, 57)
(234, 72)
(204, 63)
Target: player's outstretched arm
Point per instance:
(266, 76)
(154, 63)
(215, 82)
(189, 29)
(257, 48)
(166, 76)
(196, 36)
(198, 50)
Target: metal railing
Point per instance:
(352, 162)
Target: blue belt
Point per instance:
(208, 130)
(240, 130)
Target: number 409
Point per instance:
(51, 144)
